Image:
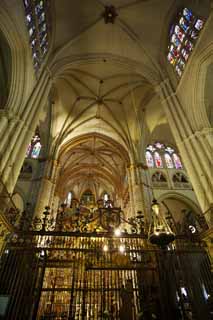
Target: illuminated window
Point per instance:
(177, 162)
(160, 155)
(36, 21)
(107, 201)
(168, 161)
(68, 200)
(149, 159)
(34, 147)
(183, 36)
(158, 160)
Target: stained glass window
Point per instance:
(160, 155)
(36, 150)
(168, 161)
(177, 162)
(37, 24)
(34, 147)
(158, 160)
(182, 38)
(149, 159)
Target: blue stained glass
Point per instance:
(175, 40)
(199, 24)
(36, 150)
(182, 39)
(183, 24)
(188, 14)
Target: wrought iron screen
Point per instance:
(53, 275)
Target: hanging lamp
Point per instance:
(160, 232)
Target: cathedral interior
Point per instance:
(106, 170)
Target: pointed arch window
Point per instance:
(182, 39)
(68, 199)
(37, 20)
(168, 161)
(158, 160)
(159, 155)
(177, 162)
(34, 147)
(149, 159)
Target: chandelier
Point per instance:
(160, 232)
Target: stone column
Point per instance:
(137, 190)
(47, 189)
(19, 131)
(195, 147)
(131, 193)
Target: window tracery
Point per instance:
(183, 36)
(37, 24)
(159, 155)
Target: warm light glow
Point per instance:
(117, 232)
(122, 248)
(192, 229)
(105, 248)
(155, 207)
(42, 254)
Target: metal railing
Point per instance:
(58, 275)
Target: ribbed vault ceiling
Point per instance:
(104, 82)
(92, 162)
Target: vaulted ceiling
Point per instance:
(92, 162)
(104, 83)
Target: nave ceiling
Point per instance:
(104, 84)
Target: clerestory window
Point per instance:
(182, 39)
